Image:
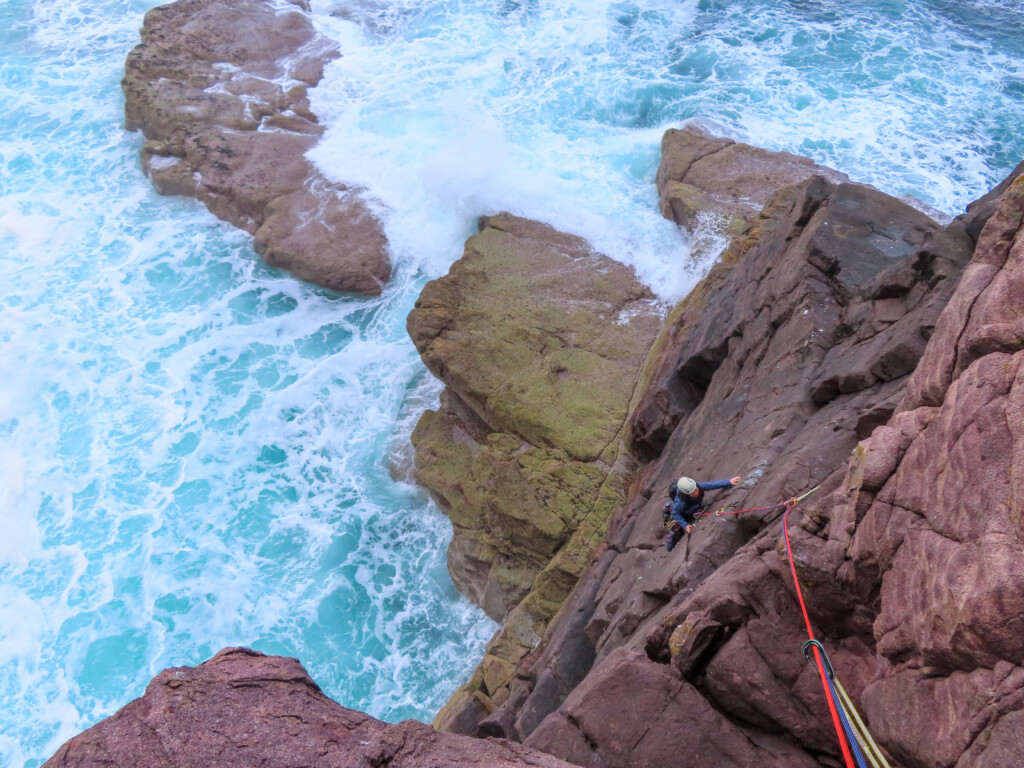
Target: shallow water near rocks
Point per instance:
(198, 451)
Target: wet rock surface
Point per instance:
(244, 709)
(220, 90)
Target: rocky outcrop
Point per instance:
(244, 709)
(794, 354)
(702, 174)
(540, 342)
(219, 89)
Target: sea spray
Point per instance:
(200, 451)
(197, 448)
(446, 110)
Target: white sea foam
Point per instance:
(199, 451)
(555, 112)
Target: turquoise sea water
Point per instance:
(198, 451)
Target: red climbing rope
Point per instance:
(724, 511)
(810, 632)
(839, 719)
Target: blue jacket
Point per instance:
(685, 507)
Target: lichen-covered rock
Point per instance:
(219, 89)
(540, 342)
(242, 709)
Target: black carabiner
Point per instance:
(821, 648)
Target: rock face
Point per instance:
(244, 709)
(931, 528)
(540, 342)
(704, 174)
(219, 90)
(813, 353)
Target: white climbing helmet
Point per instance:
(686, 485)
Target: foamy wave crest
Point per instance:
(492, 110)
(200, 451)
(446, 112)
(195, 446)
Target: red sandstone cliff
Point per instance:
(835, 343)
(828, 347)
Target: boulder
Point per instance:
(241, 708)
(539, 341)
(219, 89)
(701, 174)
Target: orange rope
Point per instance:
(810, 634)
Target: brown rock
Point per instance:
(798, 345)
(244, 709)
(540, 342)
(218, 87)
(910, 566)
(701, 173)
(680, 726)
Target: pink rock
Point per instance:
(243, 709)
(219, 89)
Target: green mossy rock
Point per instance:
(540, 342)
(539, 336)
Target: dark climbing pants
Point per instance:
(674, 535)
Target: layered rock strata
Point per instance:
(244, 709)
(540, 342)
(220, 90)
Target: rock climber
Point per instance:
(689, 500)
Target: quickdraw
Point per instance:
(854, 739)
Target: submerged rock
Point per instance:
(219, 89)
(244, 709)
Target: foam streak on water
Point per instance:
(446, 109)
(198, 451)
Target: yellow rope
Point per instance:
(863, 735)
